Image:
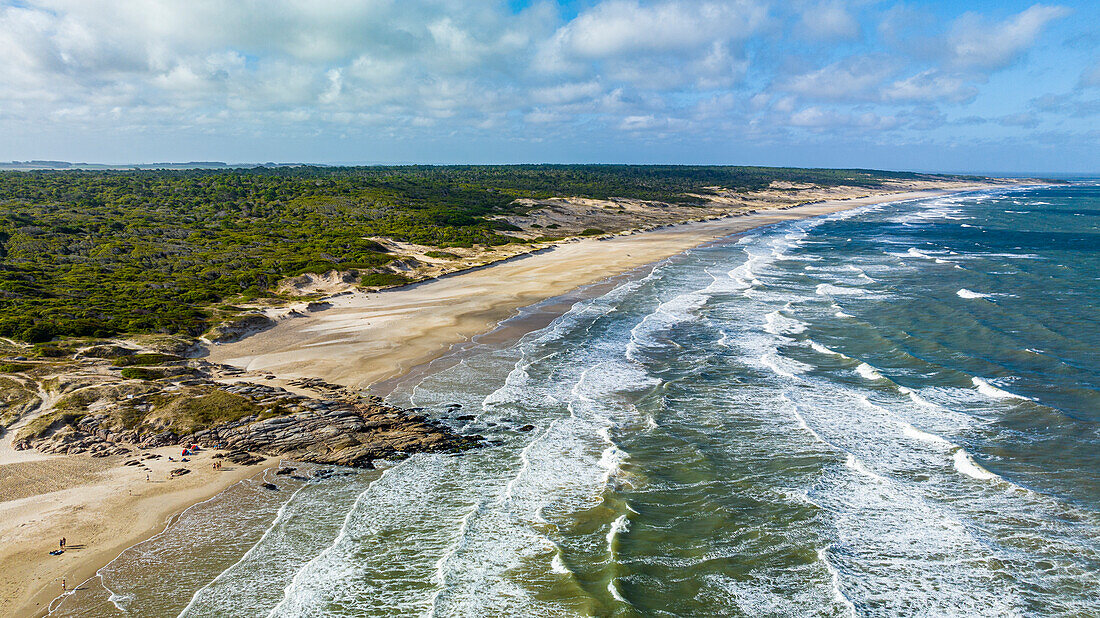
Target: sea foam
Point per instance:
(868, 372)
(989, 390)
(965, 293)
(966, 465)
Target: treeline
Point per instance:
(99, 253)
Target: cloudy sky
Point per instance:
(980, 86)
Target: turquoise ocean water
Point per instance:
(893, 410)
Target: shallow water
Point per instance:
(889, 411)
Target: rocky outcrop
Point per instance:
(83, 436)
(349, 431)
(342, 433)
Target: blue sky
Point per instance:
(945, 86)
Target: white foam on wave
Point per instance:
(923, 436)
(917, 399)
(278, 521)
(966, 465)
(828, 289)
(1011, 256)
(786, 367)
(525, 466)
(778, 324)
(965, 293)
(989, 390)
(120, 601)
(841, 314)
(817, 347)
(854, 463)
(612, 457)
(868, 372)
(680, 308)
(620, 525)
(558, 566)
(834, 575)
(613, 588)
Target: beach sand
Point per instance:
(103, 508)
(99, 506)
(367, 338)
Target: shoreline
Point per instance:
(370, 340)
(100, 519)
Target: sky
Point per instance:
(980, 86)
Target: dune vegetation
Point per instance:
(103, 253)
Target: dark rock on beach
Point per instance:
(243, 458)
(346, 434)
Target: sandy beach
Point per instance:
(102, 507)
(98, 506)
(367, 338)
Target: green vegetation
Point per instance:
(102, 253)
(383, 279)
(145, 360)
(14, 398)
(442, 255)
(187, 413)
(42, 425)
(138, 373)
(592, 231)
(15, 367)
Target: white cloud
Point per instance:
(619, 27)
(975, 43)
(444, 67)
(848, 79)
(569, 92)
(827, 21)
(930, 85)
(658, 46)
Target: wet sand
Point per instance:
(365, 338)
(99, 506)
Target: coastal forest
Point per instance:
(102, 253)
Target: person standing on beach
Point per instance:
(62, 543)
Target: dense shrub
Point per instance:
(138, 373)
(383, 279)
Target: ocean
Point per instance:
(892, 410)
